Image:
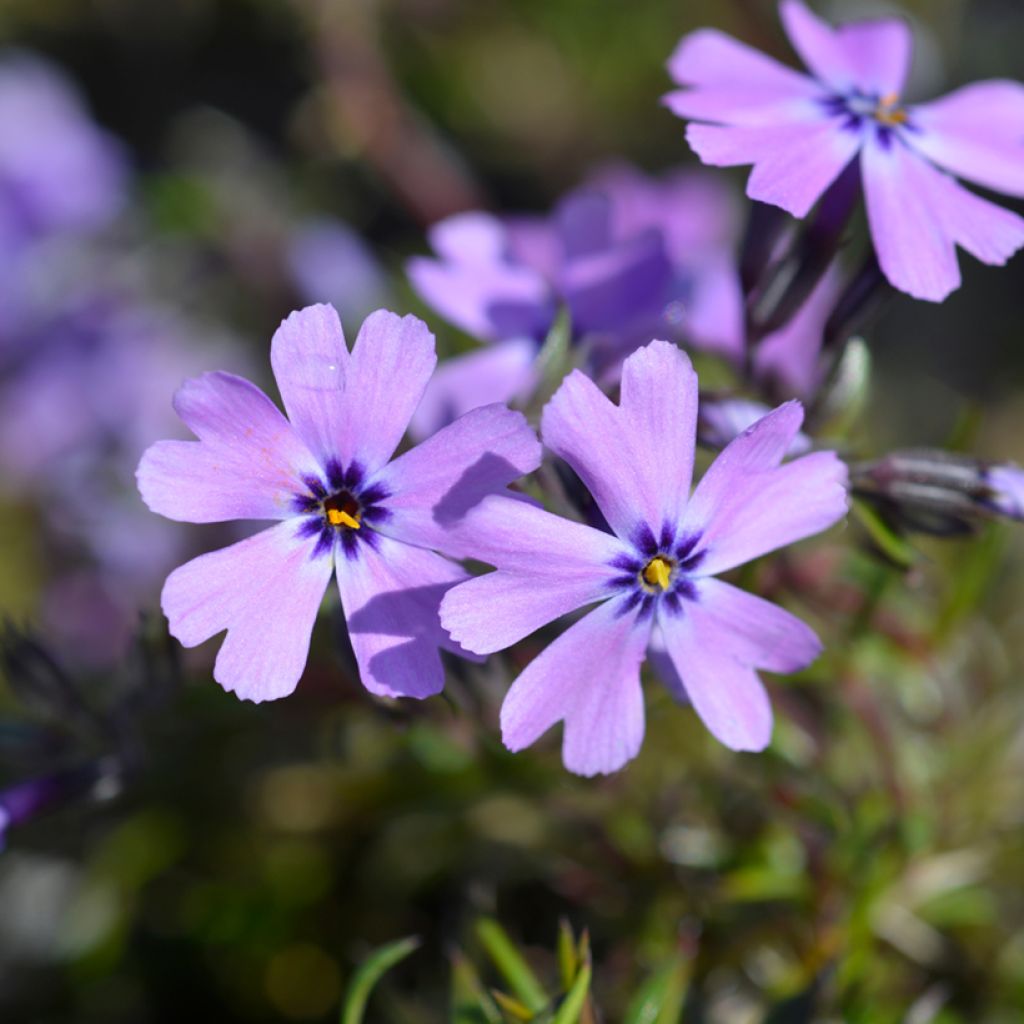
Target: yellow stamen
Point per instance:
(339, 517)
(889, 112)
(657, 572)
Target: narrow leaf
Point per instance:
(376, 965)
(572, 1007)
(660, 999)
(511, 964)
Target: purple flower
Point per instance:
(723, 420)
(653, 577)
(340, 502)
(625, 254)
(331, 263)
(58, 171)
(801, 131)
(1006, 482)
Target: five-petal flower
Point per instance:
(801, 131)
(652, 575)
(341, 503)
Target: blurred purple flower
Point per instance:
(722, 420)
(59, 172)
(801, 131)
(326, 475)
(627, 255)
(331, 263)
(82, 399)
(654, 576)
(1007, 486)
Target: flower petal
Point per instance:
(522, 538)
(711, 59)
(791, 355)
(659, 407)
(476, 285)
(870, 55)
(434, 485)
(793, 163)
(388, 370)
(918, 215)
(977, 133)
(713, 317)
(390, 593)
(590, 679)
(247, 464)
(727, 695)
(635, 459)
(760, 634)
(500, 372)
(548, 567)
(265, 591)
(747, 504)
(309, 358)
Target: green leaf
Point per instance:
(567, 960)
(511, 964)
(372, 970)
(572, 1006)
(553, 359)
(660, 999)
(512, 1008)
(471, 1003)
(896, 549)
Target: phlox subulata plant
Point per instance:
(600, 563)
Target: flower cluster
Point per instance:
(635, 546)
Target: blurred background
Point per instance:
(179, 177)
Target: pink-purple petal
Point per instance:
(477, 284)
(761, 634)
(433, 486)
(502, 372)
(872, 56)
(709, 58)
(522, 538)
(746, 504)
(913, 248)
(635, 458)
(659, 409)
(918, 215)
(977, 133)
(265, 591)
(248, 463)
(794, 163)
(727, 694)
(388, 370)
(589, 678)
(309, 358)
(713, 319)
(581, 425)
(390, 593)
(494, 611)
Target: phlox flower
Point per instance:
(801, 131)
(341, 504)
(625, 254)
(59, 172)
(652, 577)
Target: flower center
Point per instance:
(658, 572)
(889, 112)
(342, 509)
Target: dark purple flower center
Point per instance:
(343, 507)
(858, 109)
(659, 571)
